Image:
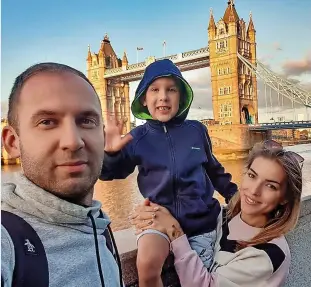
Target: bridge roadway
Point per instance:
(281, 126)
(186, 61)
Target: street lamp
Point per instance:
(164, 48)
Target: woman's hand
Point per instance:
(153, 216)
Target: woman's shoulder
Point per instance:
(280, 260)
(281, 242)
(276, 251)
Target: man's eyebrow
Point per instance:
(92, 113)
(41, 113)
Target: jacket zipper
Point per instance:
(174, 171)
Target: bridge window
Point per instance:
(221, 31)
(221, 91)
(110, 105)
(227, 90)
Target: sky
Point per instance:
(38, 30)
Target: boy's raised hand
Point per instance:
(113, 131)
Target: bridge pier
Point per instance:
(269, 135)
(232, 142)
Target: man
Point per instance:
(56, 128)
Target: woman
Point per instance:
(251, 249)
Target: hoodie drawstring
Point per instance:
(97, 249)
(117, 256)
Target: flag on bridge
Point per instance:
(139, 48)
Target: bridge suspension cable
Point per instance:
(282, 86)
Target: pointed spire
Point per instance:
(211, 24)
(89, 55)
(124, 59)
(231, 14)
(106, 37)
(251, 26)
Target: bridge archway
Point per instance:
(247, 115)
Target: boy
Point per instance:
(176, 166)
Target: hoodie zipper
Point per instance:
(174, 170)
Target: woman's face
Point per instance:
(262, 190)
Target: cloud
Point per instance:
(277, 46)
(306, 86)
(297, 67)
(200, 81)
(265, 59)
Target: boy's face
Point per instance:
(162, 99)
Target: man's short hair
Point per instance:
(24, 76)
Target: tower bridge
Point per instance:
(231, 55)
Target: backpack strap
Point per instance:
(31, 265)
(112, 246)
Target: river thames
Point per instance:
(119, 197)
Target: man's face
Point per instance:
(61, 138)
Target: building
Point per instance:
(114, 96)
(234, 88)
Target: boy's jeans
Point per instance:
(203, 244)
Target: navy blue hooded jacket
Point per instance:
(176, 166)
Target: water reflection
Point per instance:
(119, 197)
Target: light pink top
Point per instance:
(265, 265)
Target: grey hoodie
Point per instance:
(66, 232)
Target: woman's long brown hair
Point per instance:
(285, 217)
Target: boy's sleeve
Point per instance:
(220, 179)
(118, 165)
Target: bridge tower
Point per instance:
(234, 88)
(113, 94)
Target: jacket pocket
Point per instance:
(191, 206)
